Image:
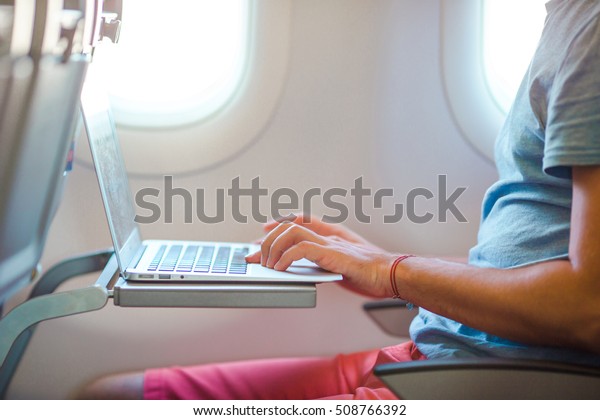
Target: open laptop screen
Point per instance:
(110, 169)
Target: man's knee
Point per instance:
(126, 386)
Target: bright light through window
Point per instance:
(177, 61)
(511, 30)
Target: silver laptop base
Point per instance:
(226, 295)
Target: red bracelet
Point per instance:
(393, 274)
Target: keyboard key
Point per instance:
(221, 260)
(238, 261)
(187, 261)
(170, 261)
(157, 257)
(204, 259)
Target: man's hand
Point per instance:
(364, 266)
(324, 229)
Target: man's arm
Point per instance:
(554, 303)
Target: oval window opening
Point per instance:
(176, 62)
(511, 30)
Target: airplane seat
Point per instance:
(474, 379)
(37, 126)
(45, 47)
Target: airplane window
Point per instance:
(511, 29)
(486, 46)
(162, 106)
(176, 62)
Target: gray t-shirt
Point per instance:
(554, 124)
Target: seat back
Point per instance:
(42, 69)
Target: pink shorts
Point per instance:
(343, 377)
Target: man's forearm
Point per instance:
(547, 303)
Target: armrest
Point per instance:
(391, 315)
(490, 379)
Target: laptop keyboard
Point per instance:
(200, 259)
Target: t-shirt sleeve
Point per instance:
(573, 124)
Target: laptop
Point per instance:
(166, 260)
